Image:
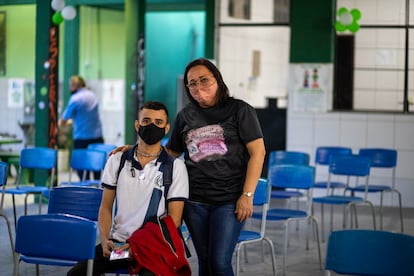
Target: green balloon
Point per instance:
(43, 91)
(342, 10)
(339, 27)
(354, 27)
(356, 14)
(57, 18)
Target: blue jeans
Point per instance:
(214, 231)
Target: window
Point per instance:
(383, 69)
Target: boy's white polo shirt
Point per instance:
(134, 190)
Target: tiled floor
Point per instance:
(300, 262)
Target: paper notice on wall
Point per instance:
(15, 93)
(310, 86)
(113, 95)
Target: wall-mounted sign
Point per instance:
(310, 86)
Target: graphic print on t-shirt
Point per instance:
(206, 143)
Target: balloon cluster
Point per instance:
(348, 20)
(62, 12)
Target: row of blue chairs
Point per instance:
(291, 176)
(350, 251)
(64, 236)
(45, 159)
(379, 158)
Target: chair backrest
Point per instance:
(262, 193)
(323, 154)
(4, 167)
(87, 159)
(38, 158)
(279, 157)
(74, 200)
(380, 158)
(261, 198)
(56, 236)
(370, 252)
(350, 165)
(292, 176)
(107, 148)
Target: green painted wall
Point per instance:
(312, 31)
(20, 40)
(172, 40)
(101, 34)
(102, 43)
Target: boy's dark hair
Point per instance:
(154, 105)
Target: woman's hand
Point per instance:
(244, 208)
(120, 148)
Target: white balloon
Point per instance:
(58, 5)
(68, 12)
(346, 18)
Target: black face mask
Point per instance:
(151, 134)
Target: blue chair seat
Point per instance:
(31, 189)
(371, 188)
(15, 191)
(337, 199)
(333, 185)
(246, 235)
(283, 214)
(47, 261)
(285, 194)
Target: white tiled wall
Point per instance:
(306, 131)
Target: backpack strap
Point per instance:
(166, 168)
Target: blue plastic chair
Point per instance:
(261, 199)
(349, 166)
(370, 253)
(54, 239)
(322, 158)
(107, 148)
(4, 169)
(38, 158)
(85, 160)
(299, 177)
(384, 159)
(281, 157)
(75, 200)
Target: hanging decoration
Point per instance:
(347, 20)
(62, 12)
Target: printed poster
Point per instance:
(15, 93)
(113, 95)
(310, 86)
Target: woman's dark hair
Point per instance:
(154, 105)
(222, 90)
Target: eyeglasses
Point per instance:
(204, 82)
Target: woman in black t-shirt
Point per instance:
(224, 152)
